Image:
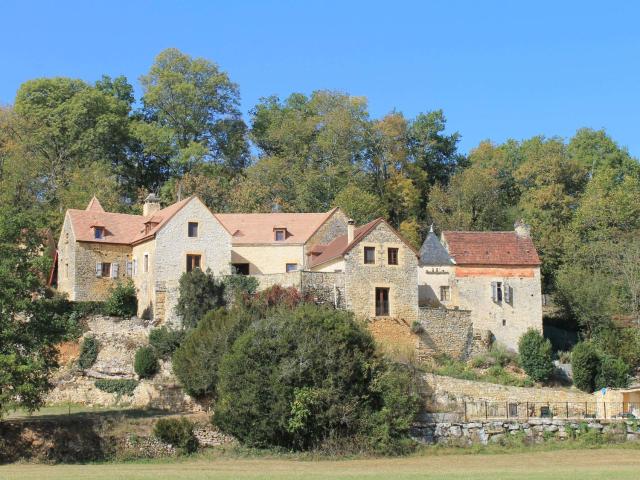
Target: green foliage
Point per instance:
(498, 355)
(536, 356)
(302, 376)
(145, 363)
(237, 287)
(122, 301)
(88, 352)
(177, 432)
(197, 360)
(584, 364)
(612, 373)
(165, 341)
(358, 204)
(200, 293)
(276, 296)
(495, 373)
(119, 386)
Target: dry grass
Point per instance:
(610, 464)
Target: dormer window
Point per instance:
(280, 234)
(98, 233)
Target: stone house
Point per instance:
(98, 248)
(493, 275)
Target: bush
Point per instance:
(277, 296)
(119, 386)
(238, 287)
(165, 341)
(200, 293)
(122, 301)
(584, 364)
(302, 376)
(88, 352)
(145, 363)
(177, 432)
(196, 361)
(535, 356)
(612, 373)
(417, 328)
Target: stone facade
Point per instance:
(333, 227)
(443, 331)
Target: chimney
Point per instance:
(522, 229)
(151, 205)
(351, 230)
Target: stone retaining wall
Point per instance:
(445, 331)
(533, 430)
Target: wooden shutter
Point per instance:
(494, 291)
(508, 294)
(114, 270)
(135, 267)
(99, 269)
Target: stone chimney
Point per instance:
(151, 205)
(351, 230)
(522, 229)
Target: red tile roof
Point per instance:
(258, 228)
(490, 248)
(120, 228)
(339, 246)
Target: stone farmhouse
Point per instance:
(453, 296)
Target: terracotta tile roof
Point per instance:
(338, 247)
(94, 205)
(490, 248)
(120, 228)
(257, 228)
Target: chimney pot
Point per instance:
(522, 229)
(351, 230)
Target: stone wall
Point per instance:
(444, 331)
(532, 430)
(291, 279)
(326, 288)
(66, 260)
(332, 228)
(89, 287)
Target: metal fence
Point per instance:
(481, 410)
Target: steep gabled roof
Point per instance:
(433, 253)
(339, 246)
(490, 248)
(159, 219)
(94, 205)
(257, 228)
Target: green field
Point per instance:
(602, 464)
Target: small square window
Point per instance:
(291, 267)
(444, 294)
(193, 229)
(280, 234)
(98, 233)
(392, 256)
(369, 255)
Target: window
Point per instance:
(369, 255)
(193, 229)
(135, 267)
(98, 233)
(382, 302)
(496, 291)
(129, 265)
(145, 263)
(280, 234)
(106, 270)
(392, 256)
(193, 262)
(240, 268)
(66, 270)
(291, 267)
(444, 294)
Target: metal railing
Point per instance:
(486, 410)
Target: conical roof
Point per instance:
(433, 252)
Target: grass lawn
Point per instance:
(606, 463)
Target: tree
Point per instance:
(200, 293)
(298, 377)
(29, 326)
(535, 356)
(359, 205)
(198, 103)
(585, 364)
(612, 373)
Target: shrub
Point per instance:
(196, 361)
(417, 328)
(177, 432)
(535, 356)
(237, 287)
(302, 376)
(119, 386)
(88, 352)
(277, 296)
(612, 373)
(165, 341)
(200, 293)
(122, 301)
(584, 364)
(145, 363)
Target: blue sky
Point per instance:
(498, 69)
